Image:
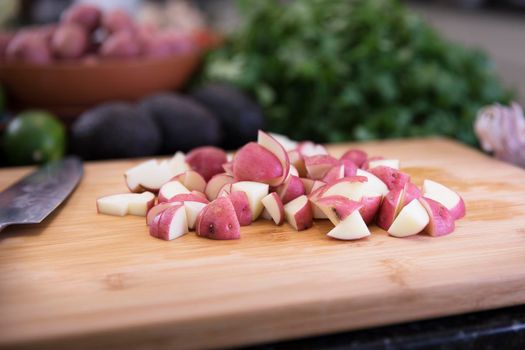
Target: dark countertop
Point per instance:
(494, 329)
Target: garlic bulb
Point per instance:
(501, 130)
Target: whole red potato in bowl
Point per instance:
(85, 15)
(69, 41)
(28, 47)
(117, 21)
(120, 45)
(5, 38)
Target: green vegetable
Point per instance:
(34, 137)
(354, 69)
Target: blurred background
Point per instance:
(109, 79)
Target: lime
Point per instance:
(34, 136)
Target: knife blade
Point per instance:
(33, 198)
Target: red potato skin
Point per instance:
(144, 32)
(207, 161)
(155, 46)
(292, 189)
(356, 156)
(411, 192)
(341, 206)
(242, 207)
(176, 41)
(163, 224)
(370, 208)
(151, 204)
(304, 218)
(200, 194)
(155, 210)
(120, 45)
(321, 159)
(255, 163)
(388, 210)
(28, 47)
(459, 210)
(85, 15)
(183, 197)
(218, 220)
(162, 199)
(69, 41)
(393, 178)
(266, 141)
(228, 168)
(163, 44)
(333, 174)
(45, 31)
(117, 21)
(5, 38)
(154, 226)
(350, 167)
(321, 163)
(441, 220)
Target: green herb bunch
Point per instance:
(336, 70)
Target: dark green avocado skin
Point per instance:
(115, 130)
(238, 114)
(182, 121)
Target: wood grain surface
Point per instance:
(87, 281)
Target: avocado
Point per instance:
(183, 122)
(115, 130)
(239, 115)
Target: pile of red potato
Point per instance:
(281, 180)
(85, 33)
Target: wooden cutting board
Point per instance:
(87, 281)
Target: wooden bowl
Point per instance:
(68, 88)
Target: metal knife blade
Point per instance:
(33, 198)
